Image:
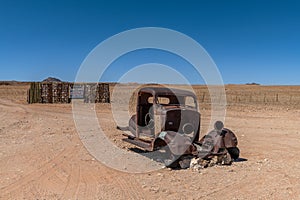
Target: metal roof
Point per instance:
(166, 91)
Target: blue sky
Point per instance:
(250, 41)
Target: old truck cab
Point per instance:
(160, 113)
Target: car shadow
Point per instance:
(240, 160)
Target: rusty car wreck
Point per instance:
(169, 119)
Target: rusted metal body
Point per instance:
(162, 116)
(219, 142)
(169, 118)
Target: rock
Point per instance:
(197, 164)
(204, 163)
(154, 189)
(214, 161)
(160, 174)
(226, 159)
(197, 168)
(185, 163)
(194, 162)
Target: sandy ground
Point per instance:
(42, 157)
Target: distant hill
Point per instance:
(51, 79)
(13, 83)
(252, 84)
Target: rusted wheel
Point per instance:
(234, 152)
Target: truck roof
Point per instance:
(166, 91)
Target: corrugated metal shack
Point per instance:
(64, 92)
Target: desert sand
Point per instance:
(42, 157)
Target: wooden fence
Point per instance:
(64, 92)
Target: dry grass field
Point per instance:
(42, 157)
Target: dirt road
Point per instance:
(42, 157)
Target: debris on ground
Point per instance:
(196, 164)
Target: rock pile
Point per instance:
(196, 164)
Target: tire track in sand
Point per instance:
(46, 169)
(72, 186)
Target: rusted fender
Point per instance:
(179, 144)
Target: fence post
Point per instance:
(203, 96)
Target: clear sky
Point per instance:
(250, 41)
